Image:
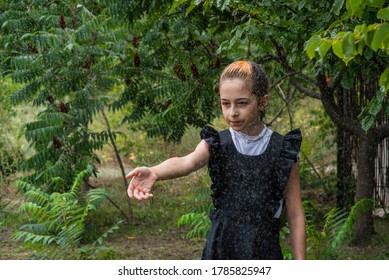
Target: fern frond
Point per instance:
(334, 225)
(26, 62)
(25, 76)
(44, 40)
(37, 196)
(79, 180)
(41, 130)
(34, 238)
(24, 186)
(328, 218)
(101, 239)
(199, 222)
(345, 228)
(32, 208)
(35, 162)
(55, 119)
(96, 196)
(26, 93)
(70, 235)
(102, 136)
(55, 170)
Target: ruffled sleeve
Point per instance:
(290, 150)
(212, 137)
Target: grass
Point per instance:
(154, 233)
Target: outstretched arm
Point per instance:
(143, 178)
(295, 213)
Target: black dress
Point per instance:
(246, 193)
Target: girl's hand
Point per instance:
(143, 179)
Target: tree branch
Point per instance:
(119, 160)
(291, 73)
(286, 100)
(281, 79)
(264, 22)
(114, 204)
(275, 116)
(338, 117)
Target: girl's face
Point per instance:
(241, 109)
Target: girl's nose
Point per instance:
(234, 111)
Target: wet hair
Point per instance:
(253, 74)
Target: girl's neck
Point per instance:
(255, 129)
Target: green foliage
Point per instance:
(198, 222)
(74, 60)
(59, 218)
(3, 204)
(361, 32)
(325, 237)
(10, 153)
(57, 54)
(9, 159)
(200, 206)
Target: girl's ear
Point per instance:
(262, 103)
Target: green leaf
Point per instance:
(27, 35)
(368, 122)
(191, 7)
(375, 107)
(4, 24)
(383, 14)
(311, 45)
(384, 80)
(175, 5)
(360, 33)
(323, 48)
(338, 4)
(302, 4)
(355, 6)
(225, 4)
(381, 37)
(349, 46)
(337, 45)
(368, 53)
(375, 3)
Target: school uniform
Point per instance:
(248, 175)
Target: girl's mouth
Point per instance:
(234, 123)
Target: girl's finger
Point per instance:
(136, 194)
(130, 192)
(133, 173)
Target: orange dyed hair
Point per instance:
(250, 72)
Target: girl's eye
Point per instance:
(242, 103)
(225, 103)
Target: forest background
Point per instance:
(90, 89)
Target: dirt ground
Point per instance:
(166, 246)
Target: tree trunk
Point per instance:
(345, 185)
(365, 185)
(120, 162)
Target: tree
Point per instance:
(278, 31)
(169, 69)
(163, 56)
(69, 57)
(360, 39)
(62, 56)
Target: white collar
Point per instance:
(248, 139)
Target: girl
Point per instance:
(254, 171)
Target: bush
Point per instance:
(57, 221)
